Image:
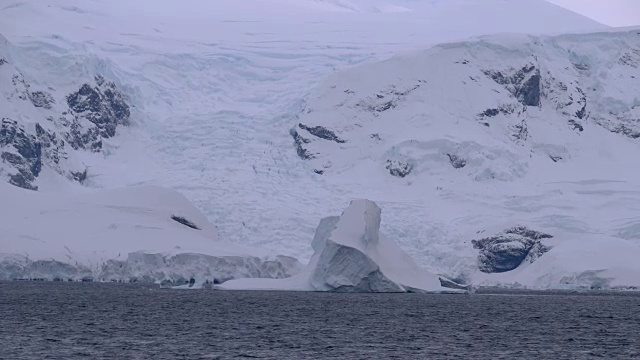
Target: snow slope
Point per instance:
(484, 135)
(215, 87)
(121, 234)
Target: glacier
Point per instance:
(140, 233)
(351, 255)
(459, 150)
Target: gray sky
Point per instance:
(609, 12)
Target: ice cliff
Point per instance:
(351, 255)
(134, 234)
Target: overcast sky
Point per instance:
(609, 12)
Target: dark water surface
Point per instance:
(114, 321)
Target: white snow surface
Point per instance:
(119, 234)
(216, 86)
(350, 254)
(524, 164)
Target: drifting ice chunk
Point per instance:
(351, 255)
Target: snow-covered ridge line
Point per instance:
(497, 85)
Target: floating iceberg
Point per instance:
(351, 255)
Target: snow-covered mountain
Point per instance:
(517, 130)
(214, 91)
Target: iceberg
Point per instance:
(351, 255)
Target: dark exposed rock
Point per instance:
(528, 233)
(52, 146)
(490, 113)
(456, 161)
(21, 87)
(81, 137)
(506, 110)
(629, 128)
(506, 251)
(555, 158)
(321, 132)
(385, 106)
(299, 141)
(80, 176)
(319, 172)
(41, 99)
(581, 66)
(582, 113)
(398, 168)
(524, 84)
(3, 61)
(375, 137)
(529, 92)
(521, 132)
(102, 105)
(392, 97)
(626, 130)
(631, 59)
(184, 222)
(23, 152)
(576, 125)
(406, 92)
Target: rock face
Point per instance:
(524, 84)
(351, 255)
(508, 250)
(398, 168)
(45, 128)
(102, 105)
(21, 152)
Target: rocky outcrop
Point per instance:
(398, 168)
(41, 99)
(299, 142)
(182, 220)
(102, 105)
(456, 161)
(322, 133)
(81, 122)
(53, 147)
(524, 84)
(508, 250)
(21, 152)
(387, 99)
(626, 127)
